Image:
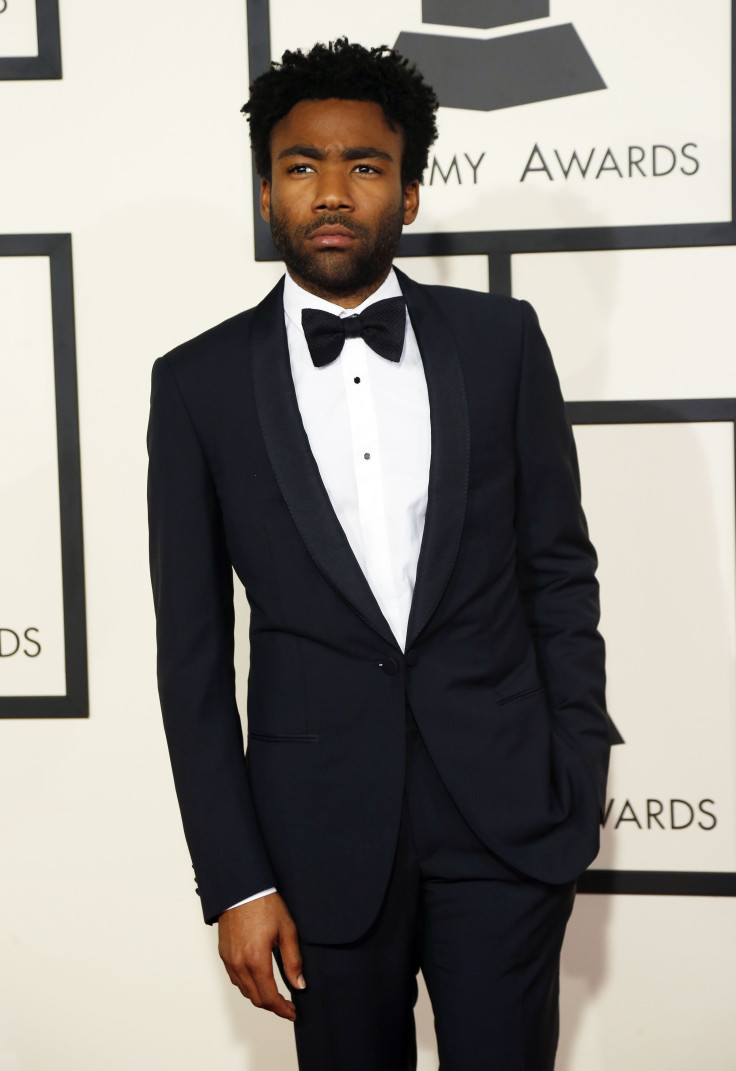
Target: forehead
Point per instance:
(336, 123)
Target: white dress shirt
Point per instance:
(367, 421)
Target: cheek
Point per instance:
(291, 204)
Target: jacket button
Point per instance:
(412, 658)
(388, 665)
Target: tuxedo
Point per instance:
(503, 666)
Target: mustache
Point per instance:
(334, 219)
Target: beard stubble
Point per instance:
(340, 272)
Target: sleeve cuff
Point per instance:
(255, 896)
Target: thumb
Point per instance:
(291, 957)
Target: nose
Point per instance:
(333, 192)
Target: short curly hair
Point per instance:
(346, 71)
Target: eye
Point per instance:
(299, 169)
(367, 169)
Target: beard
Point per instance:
(339, 272)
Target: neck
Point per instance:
(340, 297)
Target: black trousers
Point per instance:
(486, 939)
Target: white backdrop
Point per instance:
(141, 154)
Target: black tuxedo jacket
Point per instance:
(503, 666)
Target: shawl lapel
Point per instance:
(298, 476)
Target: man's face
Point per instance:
(335, 201)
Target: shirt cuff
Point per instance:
(255, 896)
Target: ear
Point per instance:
(266, 199)
(411, 202)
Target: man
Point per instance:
(427, 739)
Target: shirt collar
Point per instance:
(296, 298)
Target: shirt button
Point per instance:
(357, 379)
(388, 665)
(366, 456)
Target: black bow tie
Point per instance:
(382, 326)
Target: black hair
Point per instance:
(346, 71)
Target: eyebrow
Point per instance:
(354, 152)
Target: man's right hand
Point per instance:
(248, 935)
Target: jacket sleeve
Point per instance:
(192, 584)
(556, 560)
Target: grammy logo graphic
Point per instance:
(499, 72)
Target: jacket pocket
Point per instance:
(285, 738)
(519, 695)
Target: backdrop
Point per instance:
(585, 162)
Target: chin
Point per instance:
(340, 275)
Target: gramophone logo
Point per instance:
(499, 72)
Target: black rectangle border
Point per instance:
(501, 244)
(660, 411)
(75, 704)
(47, 64)
(499, 247)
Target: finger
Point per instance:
(291, 957)
(262, 997)
(242, 979)
(271, 999)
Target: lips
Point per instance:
(332, 236)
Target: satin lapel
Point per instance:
(295, 468)
(449, 465)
